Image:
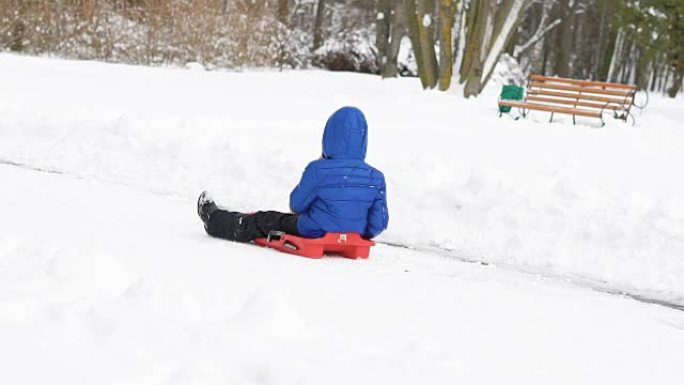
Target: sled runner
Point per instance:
(348, 245)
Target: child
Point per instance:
(337, 193)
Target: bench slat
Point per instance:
(583, 82)
(578, 89)
(574, 96)
(573, 102)
(547, 108)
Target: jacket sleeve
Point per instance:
(304, 193)
(378, 216)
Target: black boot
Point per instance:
(205, 207)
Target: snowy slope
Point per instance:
(604, 204)
(101, 283)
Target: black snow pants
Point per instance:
(240, 227)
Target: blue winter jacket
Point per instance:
(340, 192)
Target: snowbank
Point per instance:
(604, 204)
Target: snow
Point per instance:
(427, 20)
(577, 201)
(406, 60)
(104, 283)
(106, 275)
(195, 66)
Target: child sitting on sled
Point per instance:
(337, 193)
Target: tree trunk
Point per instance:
(666, 80)
(382, 32)
(676, 51)
(18, 30)
(426, 34)
(611, 76)
(490, 27)
(565, 38)
(318, 25)
(642, 70)
(422, 42)
(398, 30)
(412, 28)
(600, 48)
(283, 12)
(471, 69)
(459, 35)
(446, 21)
(627, 66)
(677, 80)
(545, 58)
(654, 75)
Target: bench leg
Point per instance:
(551, 119)
(573, 120)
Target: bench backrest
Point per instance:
(583, 94)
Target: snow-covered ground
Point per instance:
(105, 284)
(107, 277)
(605, 204)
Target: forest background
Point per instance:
(443, 42)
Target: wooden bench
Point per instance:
(575, 97)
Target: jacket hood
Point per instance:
(346, 134)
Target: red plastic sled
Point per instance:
(348, 245)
